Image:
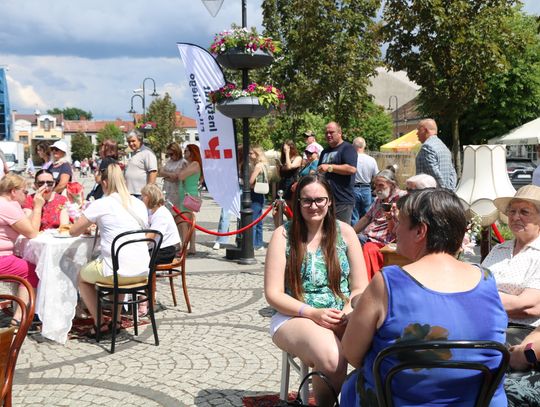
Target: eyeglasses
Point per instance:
(523, 213)
(54, 149)
(319, 202)
(41, 183)
(308, 152)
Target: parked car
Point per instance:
(520, 171)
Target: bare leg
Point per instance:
(22, 293)
(319, 348)
(88, 295)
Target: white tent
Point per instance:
(527, 134)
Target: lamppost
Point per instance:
(246, 213)
(396, 119)
(141, 93)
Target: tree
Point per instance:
(330, 49)
(162, 112)
(81, 146)
(72, 113)
(110, 132)
(513, 97)
(374, 125)
(451, 49)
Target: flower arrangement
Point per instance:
(268, 95)
(242, 38)
(471, 235)
(147, 125)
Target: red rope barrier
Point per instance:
(211, 232)
(497, 233)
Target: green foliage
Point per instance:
(81, 146)
(72, 113)
(513, 96)
(330, 49)
(451, 49)
(110, 132)
(374, 125)
(162, 111)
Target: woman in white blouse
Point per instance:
(516, 263)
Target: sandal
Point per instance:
(92, 334)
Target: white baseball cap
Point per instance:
(60, 145)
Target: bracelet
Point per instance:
(301, 310)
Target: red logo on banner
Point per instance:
(213, 153)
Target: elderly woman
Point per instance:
(170, 171)
(53, 213)
(60, 168)
(375, 228)
(115, 213)
(516, 263)
(431, 298)
(313, 267)
(13, 222)
(420, 181)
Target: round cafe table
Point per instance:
(58, 261)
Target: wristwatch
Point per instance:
(530, 355)
(330, 168)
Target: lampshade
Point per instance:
(213, 6)
(483, 179)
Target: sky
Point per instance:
(93, 54)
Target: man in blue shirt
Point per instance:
(338, 163)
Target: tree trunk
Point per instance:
(456, 148)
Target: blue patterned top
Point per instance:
(314, 274)
(416, 312)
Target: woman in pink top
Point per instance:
(13, 223)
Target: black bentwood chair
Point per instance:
(435, 354)
(140, 292)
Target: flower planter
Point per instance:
(238, 58)
(244, 107)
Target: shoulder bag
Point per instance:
(193, 203)
(262, 187)
(298, 402)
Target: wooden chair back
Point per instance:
(11, 339)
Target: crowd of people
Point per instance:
(335, 304)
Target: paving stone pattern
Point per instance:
(212, 357)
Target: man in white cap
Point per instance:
(141, 168)
(60, 168)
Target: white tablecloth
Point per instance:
(58, 262)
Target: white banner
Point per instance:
(216, 134)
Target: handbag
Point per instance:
(298, 402)
(193, 203)
(262, 187)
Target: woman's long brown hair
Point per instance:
(298, 243)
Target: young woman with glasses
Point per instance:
(54, 212)
(313, 267)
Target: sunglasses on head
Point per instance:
(41, 183)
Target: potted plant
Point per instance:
(239, 48)
(254, 101)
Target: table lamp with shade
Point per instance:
(483, 179)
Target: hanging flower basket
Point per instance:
(146, 126)
(243, 107)
(238, 58)
(254, 101)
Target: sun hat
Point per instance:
(309, 133)
(311, 149)
(529, 193)
(60, 145)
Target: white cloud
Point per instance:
(24, 97)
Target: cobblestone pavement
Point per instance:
(211, 357)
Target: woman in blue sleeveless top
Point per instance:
(313, 267)
(436, 297)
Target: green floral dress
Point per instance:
(317, 292)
